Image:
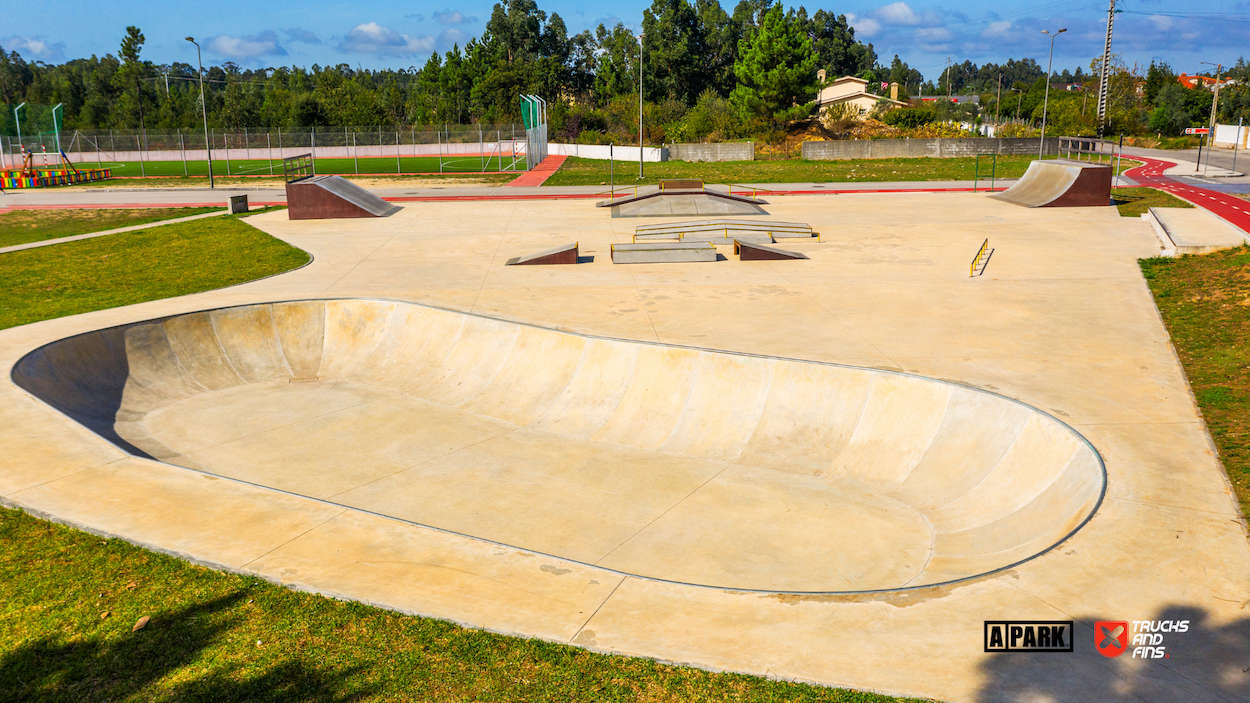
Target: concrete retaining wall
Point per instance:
(913, 148)
(724, 151)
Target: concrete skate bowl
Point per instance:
(685, 465)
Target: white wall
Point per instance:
(600, 151)
(1228, 134)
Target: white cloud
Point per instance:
(998, 30)
(35, 49)
(449, 38)
(450, 16)
(263, 44)
(897, 13)
(863, 26)
(373, 38)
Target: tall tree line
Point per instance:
(690, 50)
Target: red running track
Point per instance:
(1231, 208)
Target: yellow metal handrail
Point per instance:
(981, 259)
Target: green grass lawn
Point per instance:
(595, 172)
(134, 267)
(1205, 303)
(1134, 202)
(265, 167)
(386, 180)
(24, 226)
(69, 600)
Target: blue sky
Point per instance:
(376, 34)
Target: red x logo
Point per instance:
(1111, 637)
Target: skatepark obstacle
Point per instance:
(663, 252)
(313, 197)
(681, 464)
(668, 200)
(563, 254)
(1061, 183)
(729, 229)
(757, 251)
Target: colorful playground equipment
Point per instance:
(61, 173)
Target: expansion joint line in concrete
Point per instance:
(597, 609)
(285, 543)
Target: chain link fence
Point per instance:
(384, 149)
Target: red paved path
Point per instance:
(540, 173)
(1231, 208)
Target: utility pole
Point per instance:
(948, 79)
(640, 36)
(998, 104)
(166, 74)
(1104, 74)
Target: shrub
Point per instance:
(909, 117)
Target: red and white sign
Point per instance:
(1197, 130)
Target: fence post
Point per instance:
(225, 140)
(182, 148)
(139, 151)
(269, 144)
(98, 161)
(312, 140)
(280, 154)
(247, 146)
(112, 145)
(355, 152)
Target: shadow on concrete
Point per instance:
(1209, 662)
(126, 667)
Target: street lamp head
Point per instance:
(1061, 31)
(191, 40)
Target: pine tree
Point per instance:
(776, 70)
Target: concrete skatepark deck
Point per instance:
(333, 197)
(1063, 322)
(1061, 183)
(669, 202)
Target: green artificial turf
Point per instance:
(577, 171)
(135, 267)
(1205, 303)
(25, 226)
(266, 167)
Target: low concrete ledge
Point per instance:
(1192, 231)
(662, 252)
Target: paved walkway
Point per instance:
(1233, 209)
(540, 173)
(119, 230)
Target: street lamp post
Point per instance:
(640, 36)
(19, 124)
(1041, 147)
(56, 127)
(208, 148)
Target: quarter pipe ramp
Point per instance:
(1061, 183)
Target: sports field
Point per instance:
(266, 167)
